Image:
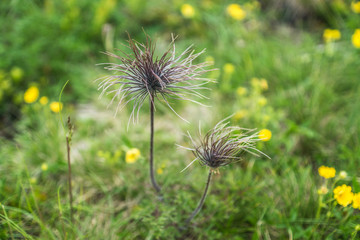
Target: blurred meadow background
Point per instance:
(289, 68)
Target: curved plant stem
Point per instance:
(152, 176)
(201, 203)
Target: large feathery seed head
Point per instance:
(141, 74)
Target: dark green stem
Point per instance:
(201, 203)
(69, 179)
(152, 175)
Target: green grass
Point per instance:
(312, 106)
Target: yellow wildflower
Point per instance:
(229, 68)
(323, 190)
(32, 180)
(132, 155)
(16, 73)
(330, 35)
(356, 38)
(255, 82)
(357, 227)
(262, 101)
(342, 175)
(355, 6)
(187, 10)
(265, 135)
(31, 95)
(263, 84)
(343, 195)
(356, 201)
(160, 171)
(236, 12)
(56, 106)
(241, 91)
(327, 172)
(44, 100)
(240, 114)
(5, 85)
(44, 167)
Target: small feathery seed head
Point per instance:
(224, 145)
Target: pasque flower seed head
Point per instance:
(141, 75)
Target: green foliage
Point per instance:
(310, 105)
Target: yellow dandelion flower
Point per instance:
(343, 195)
(355, 6)
(56, 106)
(262, 101)
(187, 10)
(241, 91)
(330, 35)
(265, 135)
(31, 95)
(132, 155)
(356, 201)
(44, 167)
(43, 100)
(240, 114)
(229, 68)
(343, 175)
(327, 172)
(323, 190)
(160, 171)
(236, 12)
(264, 84)
(356, 38)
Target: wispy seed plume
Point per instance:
(223, 145)
(141, 75)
